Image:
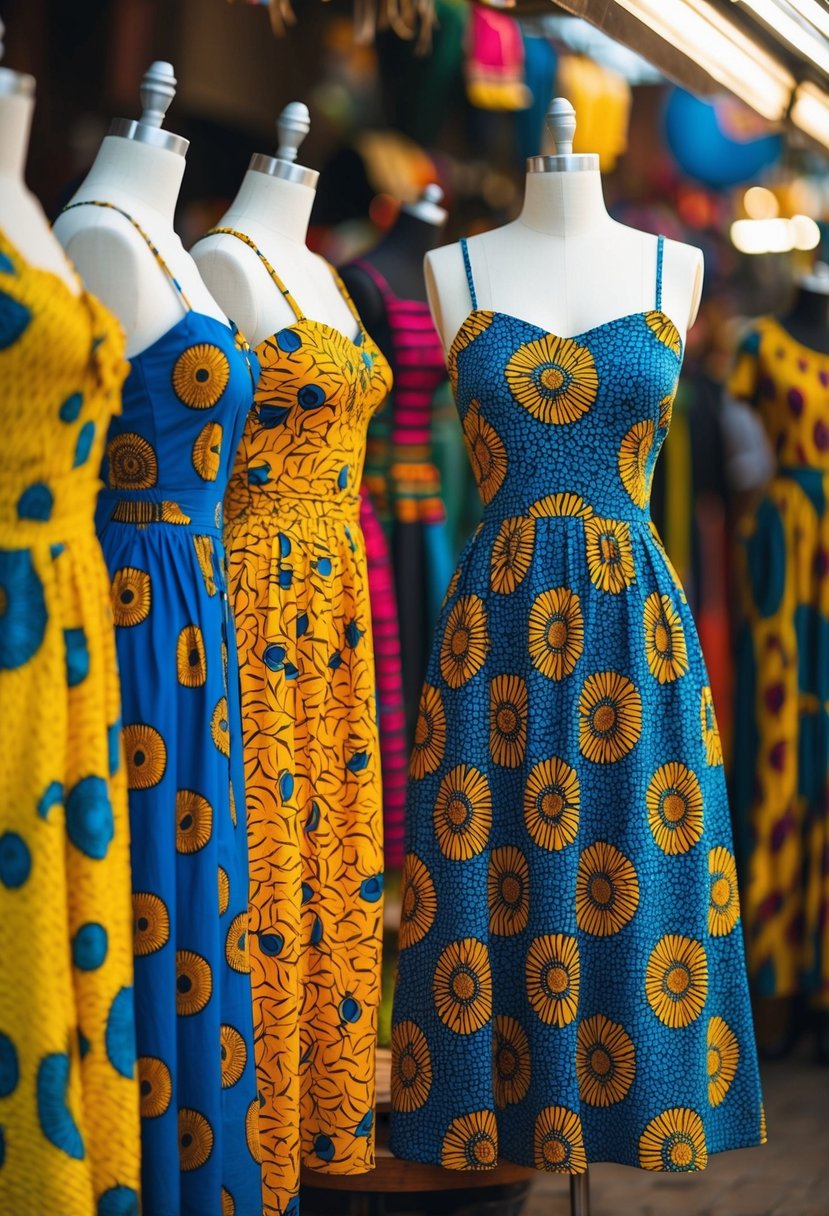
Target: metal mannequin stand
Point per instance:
(580, 1194)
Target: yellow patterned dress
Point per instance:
(297, 572)
(69, 1138)
(782, 710)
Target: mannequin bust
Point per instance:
(563, 264)
(807, 320)
(138, 169)
(21, 216)
(273, 208)
(398, 257)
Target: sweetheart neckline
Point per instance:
(548, 333)
(361, 346)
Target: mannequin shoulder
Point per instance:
(109, 264)
(230, 269)
(447, 290)
(683, 270)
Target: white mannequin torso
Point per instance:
(274, 214)
(563, 265)
(21, 216)
(114, 260)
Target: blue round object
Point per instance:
(22, 609)
(89, 820)
(36, 502)
(89, 946)
(719, 143)
(9, 1066)
(15, 860)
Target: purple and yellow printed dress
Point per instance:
(572, 982)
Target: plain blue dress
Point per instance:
(168, 460)
(572, 984)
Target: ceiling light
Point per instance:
(813, 12)
(760, 204)
(726, 53)
(805, 232)
(806, 42)
(810, 112)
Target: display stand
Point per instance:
(393, 1176)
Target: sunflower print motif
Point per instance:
(131, 593)
(191, 657)
(194, 982)
(724, 899)
(146, 754)
(562, 961)
(195, 1139)
(207, 451)
(605, 1061)
(554, 378)
(462, 986)
(511, 1064)
(151, 923)
(471, 1143)
(551, 803)
(465, 641)
(553, 977)
(200, 376)
(607, 890)
(675, 810)
(194, 822)
(155, 1086)
(676, 980)
(723, 1058)
(234, 1055)
(411, 1078)
(665, 647)
(511, 554)
(132, 461)
(609, 554)
(508, 702)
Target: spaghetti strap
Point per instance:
(147, 240)
(245, 239)
(469, 278)
(660, 249)
(352, 307)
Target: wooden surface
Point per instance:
(392, 1174)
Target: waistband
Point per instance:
(188, 511)
(568, 508)
(267, 500)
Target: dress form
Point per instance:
(808, 318)
(550, 266)
(21, 215)
(273, 209)
(138, 170)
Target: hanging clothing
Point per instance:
(571, 981)
(781, 754)
(168, 460)
(297, 568)
(420, 541)
(68, 1085)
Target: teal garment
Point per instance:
(571, 982)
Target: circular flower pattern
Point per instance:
(676, 980)
(228, 1203)
(234, 1055)
(155, 1087)
(487, 453)
(200, 375)
(665, 330)
(418, 902)
(133, 464)
(553, 506)
(665, 647)
(191, 659)
(558, 1141)
(512, 552)
(194, 821)
(554, 378)
(607, 890)
(252, 1131)
(674, 802)
(609, 554)
(634, 452)
(207, 451)
(471, 1143)
(551, 804)
(430, 734)
(709, 728)
(674, 1141)
(462, 986)
(131, 595)
(723, 895)
(194, 982)
(195, 1139)
(610, 717)
(146, 755)
(723, 1058)
(411, 1072)
(508, 705)
(220, 728)
(508, 891)
(556, 632)
(224, 891)
(463, 813)
(605, 1061)
(465, 641)
(150, 923)
(511, 1068)
(236, 944)
(553, 974)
